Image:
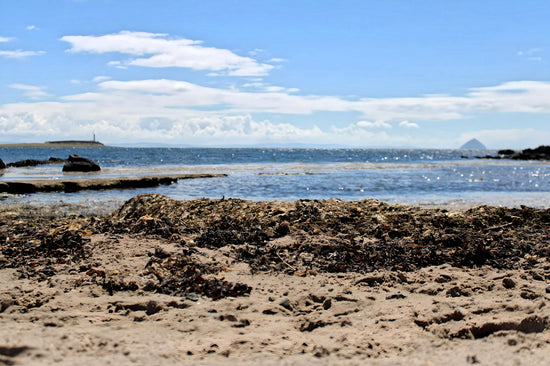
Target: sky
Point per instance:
(392, 73)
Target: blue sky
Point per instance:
(357, 73)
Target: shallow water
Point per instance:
(420, 177)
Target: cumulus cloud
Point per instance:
(31, 27)
(172, 110)
(376, 124)
(31, 91)
(159, 50)
(407, 124)
(5, 39)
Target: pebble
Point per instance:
(508, 283)
(286, 304)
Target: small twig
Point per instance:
(498, 227)
(282, 260)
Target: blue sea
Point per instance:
(440, 178)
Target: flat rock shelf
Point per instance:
(80, 184)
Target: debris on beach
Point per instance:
(302, 238)
(339, 236)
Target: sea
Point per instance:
(424, 177)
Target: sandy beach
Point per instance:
(212, 282)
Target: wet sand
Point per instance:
(279, 283)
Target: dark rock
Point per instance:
(2, 165)
(28, 162)
(508, 283)
(152, 307)
(34, 162)
(456, 292)
(79, 164)
(548, 290)
(528, 295)
(539, 153)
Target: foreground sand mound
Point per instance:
(239, 282)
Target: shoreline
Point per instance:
(229, 281)
(81, 184)
(56, 144)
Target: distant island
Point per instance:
(61, 143)
(473, 144)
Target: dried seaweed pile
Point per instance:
(41, 245)
(339, 236)
(301, 238)
(34, 242)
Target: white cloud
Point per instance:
(171, 110)
(20, 53)
(259, 86)
(100, 78)
(31, 91)
(376, 124)
(407, 124)
(159, 50)
(31, 27)
(17, 53)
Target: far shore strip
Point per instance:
(80, 184)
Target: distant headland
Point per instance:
(60, 143)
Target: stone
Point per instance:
(79, 164)
(286, 304)
(508, 283)
(2, 165)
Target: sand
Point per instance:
(69, 311)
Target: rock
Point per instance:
(2, 165)
(539, 153)
(152, 307)
(79, 164)
(508, 283)
(286, 304)
(548, 290)
(34, 162)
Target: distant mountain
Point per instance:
(473, 144)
